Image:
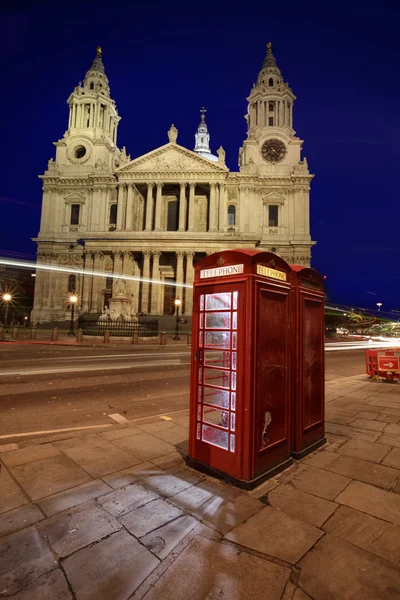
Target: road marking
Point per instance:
(166, 418)
(119, 418)
(86, 369)
(106, 356)
(30, 433)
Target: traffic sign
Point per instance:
(388, 363)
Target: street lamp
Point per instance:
(379, 304)
(177, 303)
(73, 299)
(6, 299)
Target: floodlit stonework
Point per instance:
(156, 215)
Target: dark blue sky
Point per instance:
(165, 60)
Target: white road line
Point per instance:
(83, 369)
(104, 356)
(119, 418)
(30, 433)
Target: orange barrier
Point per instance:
(383, 365)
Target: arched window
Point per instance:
(72, 284)
(270, 82)
(92, 86)
(113, 214)
(231, 215)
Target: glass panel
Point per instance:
(234, 361)
(201, 320)
(218, 377)
(200, 393)
(198, 430)
(234, 320)
(235, 299)
(199, 412)
(216, 437)
(201, 302)
(233, 386)
(218, 301)
(234, 336)
(218, 320)
(233, 401)
(216, 417)
(201, 338)
(232, 443)
(200, 379)
(217, 359)
(216, 397)
(218, 339)
(233, 421)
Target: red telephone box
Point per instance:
(240, 376)
(307, 361)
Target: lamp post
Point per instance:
(379, 304)
(177, 303)
(73, 299)
(6, 298)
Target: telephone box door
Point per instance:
(216, 386)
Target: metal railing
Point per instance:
(146, 326)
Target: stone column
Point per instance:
(189, 281)
(149, 207)
(129, 208)
(120, 207)
(117, 270)
(191, 206)
(98, 265)
(182, 207)
(179, 274)
(222, 208)
(87, 282)
(145, 284)
(213, 209)
(155, 287)
(157, 224)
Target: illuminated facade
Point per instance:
(155, 215)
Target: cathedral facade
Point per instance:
(154, 216)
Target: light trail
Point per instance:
(34, 266)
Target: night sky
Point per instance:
(166, 60)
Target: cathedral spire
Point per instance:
(202, 136)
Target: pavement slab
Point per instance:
(51, 586)
(145, 446)
(11, 495)
(19, 518)
(48, 476)
(368, 424)
(337, 570)
(73, 497)
(204, 499)
(151, 516)
(390, 440)
(174, 435)
(371, 500)
(320, 459)
(111, 569)
(320, 483)
(386, 418)
(352, 432)
(24, 556)
(277, 534)
(126, 499)
(96, 455)
(163, 540)
(364, 450)
(376, 536)
(78, 527)
(119, 433)
(365, 471)
(131, 474)
(29, 454)
(392, 459)
(338, 418)
(169, 484)
(173, 459)
(303, 506)
(300, 595)
(229, 515)
(207, 569)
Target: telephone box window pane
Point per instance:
(234, 320)
(200, 394)
(234, 338)
(201, 302)
(201, 320)
(198, 430)
(216, 397)
(218, 301)
(217, 359)
(201, 338)
(218, 320)
(216, 437)
(235, 299)
(199, 412)
(200, 380)
(218, 339)
(233, 386)
(233, 401)
(217, 377)
(232, 443)
(233, 421)
(216, 417)
(234, 361)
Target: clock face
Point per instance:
(273, 150)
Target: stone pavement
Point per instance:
(117, 514)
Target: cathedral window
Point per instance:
(273, 215)
(231, 215)
(270, 82)
(92, 86)
(172, 216)
(270, 121)
(109, 283)
(113, 214)
(75, 210)
(271, 106)
(72, 284)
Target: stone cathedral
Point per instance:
(156, 215)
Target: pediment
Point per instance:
(75, 197)
(171, 158)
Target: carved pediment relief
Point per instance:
(273, 198)
(75, 197)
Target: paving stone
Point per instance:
(390, 440)
(214, 571)
(126, 499)
(112, 569)
(320, 483)
(372, 500)
(183, 421)
(300, 595)
(392, 459)
(204, 499)
(145, 446)
(363, 470)
(320, 459)
(149, 517)
(392, 429)
(391, 411)
(48, 476)
(367, 415)
(51, 586)
(368, 424)
(156, 427)
(337, 570)
(73, 497)
(364, 450)
(364, 531)
(383, 403)
(162, 541)
(96, 455)
(29, 454)
(396, 488)
(24, 556)
(338, 418)
(19, 518)
(168, 484)
(388, 418)
(168, 461)
(131, 474)
(231, 514)
(119, 433)
(352, 432)
(174, 435)
(277, 534)
(301, 505)
(11, 495)
(78, 527)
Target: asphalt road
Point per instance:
(48, 388)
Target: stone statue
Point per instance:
(105, 315)
(124, 157)
(173, 134)
(51, 165)
(221, 155)
(120, 287)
